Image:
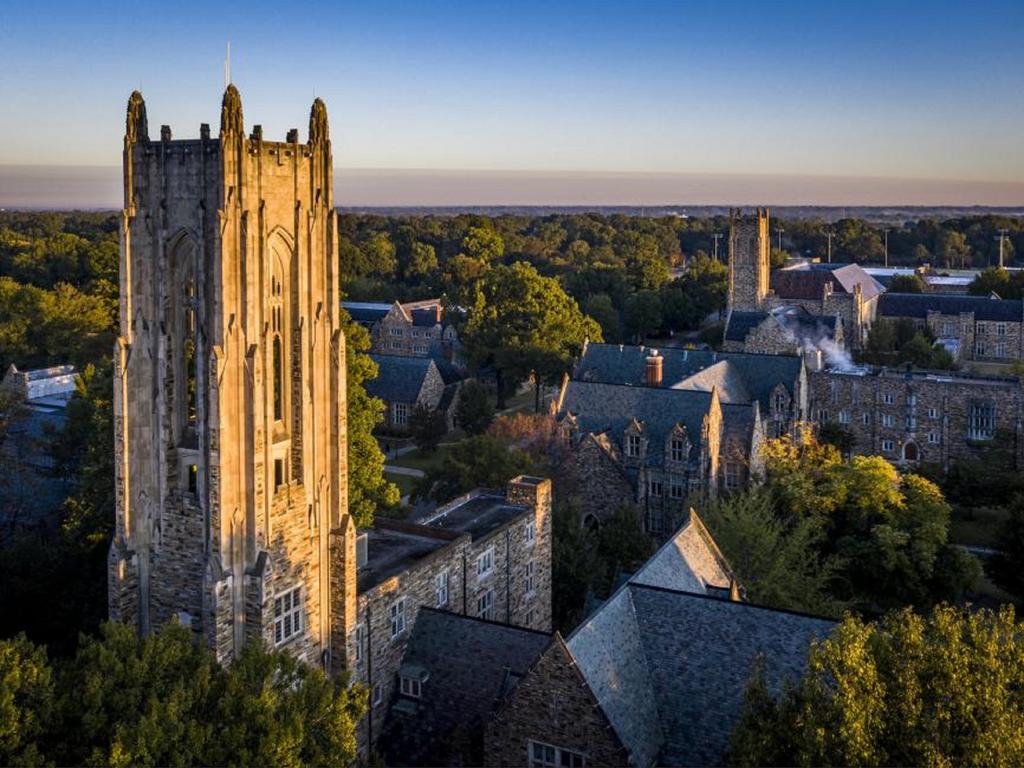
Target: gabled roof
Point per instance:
(612, 408)
(920, 304)
(689, 561)
(682, 369)
(808, 281)
(722, 376)
(670, 667)
(366, 312)
(400, 377)
(470, 666)
(741, 323)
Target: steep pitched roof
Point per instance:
(808, 282)
(470, 666)
(689, 561)
(670, 667)
(682, 368)
(700, 653)
(400, 378)
(920, 304)
(741, 323)
(613, 407)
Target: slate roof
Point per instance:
(808, 282)
(919, 304)
(741, 323)
(670, 667)
(366, 312)
(612, 407)
(471, 665)
(449, 373)
(700, 652)
(400, 377)
(683, 369)
(689, 561)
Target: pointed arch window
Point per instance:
(184, 340)
(279, 329)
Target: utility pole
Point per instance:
(1001, 239)
(717, 236)
(829, 235)
(779, 231)
(886, 232)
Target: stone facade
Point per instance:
(415, 328)
(653, 447)
(229, 393)
(553, 708)
(909, 418)
(448, 547)
(842, 291)
(972, 327)
(748, 261)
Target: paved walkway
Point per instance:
(408, 471)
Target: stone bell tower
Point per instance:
(229, 393)
(749, 264)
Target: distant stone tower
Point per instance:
(748, 260)
(229, 394)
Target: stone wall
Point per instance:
(919, 417)
(552, 705)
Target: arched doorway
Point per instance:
(910, 451)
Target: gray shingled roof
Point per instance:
(365, 312)
(807, 282)
(471, 665)
(400, 378)
(742, 322)
(700, 652)
(612, 407)
(625, 364)
(670, 667)
(919, 304)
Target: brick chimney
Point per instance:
(654, 370)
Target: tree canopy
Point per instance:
(941, 690)
(164, 700)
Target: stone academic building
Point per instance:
(230, 428)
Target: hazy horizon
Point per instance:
(100, 187)
(660, 101)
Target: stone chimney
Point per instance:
(654, 370)
(813, 359)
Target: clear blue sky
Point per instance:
(917, 90)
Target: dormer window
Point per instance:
(633, 445)
(411, 678)
(677, 449)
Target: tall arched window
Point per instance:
(279, 340)
(183, 332)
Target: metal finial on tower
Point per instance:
(227, 66)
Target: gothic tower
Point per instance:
(748, 260)
(229, 393)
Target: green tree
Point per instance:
(481, 461)
(906, 284)
(1008, 567)
(164, 700)
(908, 690)
(524, 324)
(994, 280)
(422, 261)
(474, 411)
(26, 701)
(600, 307)
(427, 426)
(574, 562)
(777, 564)
(954, 249)
(642, 314)
(645, 266)
(483, 245)
(368, 490)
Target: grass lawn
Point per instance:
(977, 527)
(404, 482)
(420, 459)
